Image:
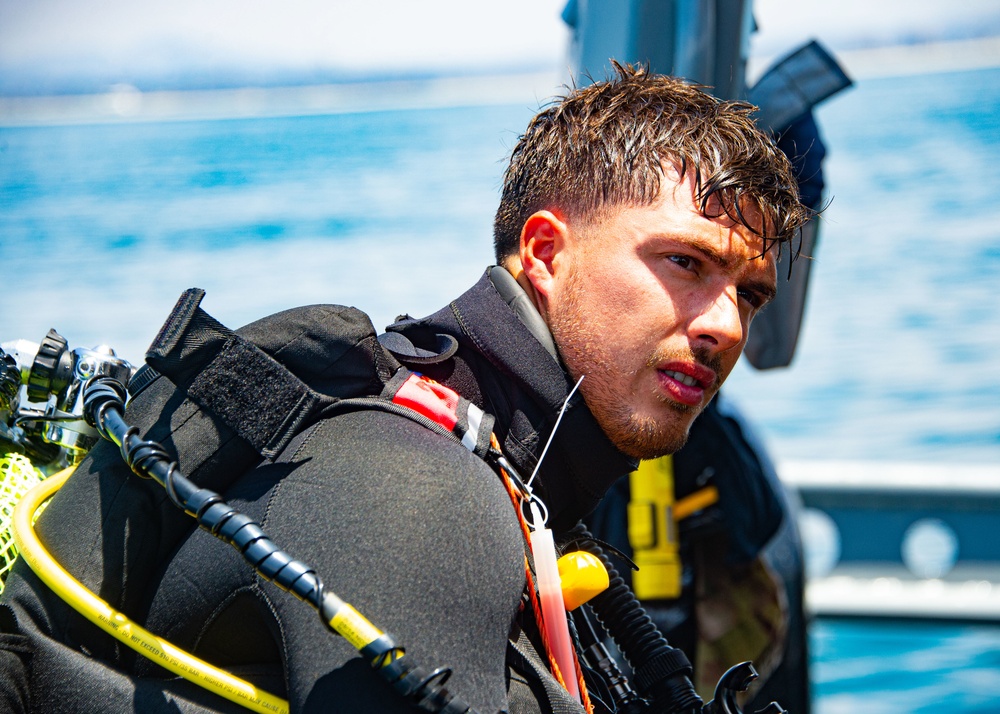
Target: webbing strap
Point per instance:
(521, 655)
(255, 396)
(251, 392)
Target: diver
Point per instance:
(637, 237)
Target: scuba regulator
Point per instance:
(42, 424)
(41, 398)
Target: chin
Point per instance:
(644, 429)
(649, 438)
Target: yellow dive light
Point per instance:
(653, 514)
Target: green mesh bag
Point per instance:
(17, 477)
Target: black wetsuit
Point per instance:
(412, 529)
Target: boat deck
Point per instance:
(900, 540)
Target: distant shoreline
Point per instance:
(127, 104)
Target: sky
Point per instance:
(48, 44)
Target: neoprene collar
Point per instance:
(495, 327)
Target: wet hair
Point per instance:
(605, 145)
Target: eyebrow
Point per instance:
(709, 252)
(765, 289)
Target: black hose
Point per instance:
(662, 674)
(104, 404)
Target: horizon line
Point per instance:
(126, 103)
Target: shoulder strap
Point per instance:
(256, 395)
(442, 405)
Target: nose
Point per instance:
(719, 325)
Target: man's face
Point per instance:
(652, 305)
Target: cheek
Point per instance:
(605, 296)
(636, 292)
(729, 358)
(623, 297)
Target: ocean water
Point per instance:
(896, 667)
(102, 225)
(897, 360)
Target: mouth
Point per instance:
(686, 382)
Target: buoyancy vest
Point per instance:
(223, 401)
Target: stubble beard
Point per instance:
(606, 384)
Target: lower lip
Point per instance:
(681, 392)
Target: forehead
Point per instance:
(676, 216)
(682, 192)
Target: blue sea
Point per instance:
(103, 224)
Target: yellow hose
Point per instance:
(115, 623)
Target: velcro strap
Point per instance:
(254, 395)
(251, 392)
(188, 340)
(672, 661)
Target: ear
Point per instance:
(543, 239)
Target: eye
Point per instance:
(753, 298)
(684, 261)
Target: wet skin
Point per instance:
(652, 304)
